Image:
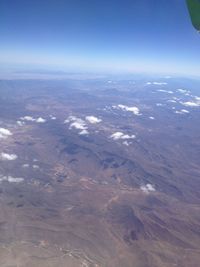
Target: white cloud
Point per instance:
(5, 156)
(25, 165)
(134, 110)
(93, 119)
(159, 83)
(52, 117)
(147, 188)
(74, 119)
(126, 136)
(126, 143)
(172, 101)
(117, 135)
(27, 118)
(156, 83)
(11, 179)
(77, 123)
(4, 133)
(159, 105)
(197, 98)
(182, 111)
(120, 135)
(40, 120)
(20, 123)
(191, 104)
(166, 91)
(183, 91)
(151, 118)
(84, 132)
(71, 118)
(35, 166)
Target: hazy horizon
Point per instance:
(115, 37)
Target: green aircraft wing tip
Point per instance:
(194, 10)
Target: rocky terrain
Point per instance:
(100, 173)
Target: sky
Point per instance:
(154, 36)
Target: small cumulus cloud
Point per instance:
(172, 101)
(159, 105)
(165, 91)
(35, 166)
(183, 91)
(122, 136)
(4, 133)
(92, 119)
(197, 98)
(126, 143)
(26, 165)
(191, 103)
(6, 156)
(40, 120)
(151, 118)
(147, 188)
(182, 111)
(84, 132)
(11, 179)
(159, 83)
(52, 117)
(134, 110)
(77, 123)
(156, 83)
(27, 118)
(20, 123)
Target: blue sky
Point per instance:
(99, 35)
